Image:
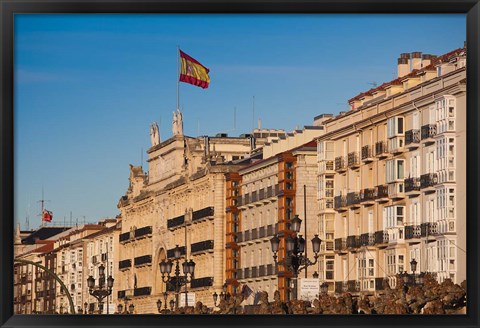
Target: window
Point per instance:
(395, 127)
(393, 216)
(395, 170)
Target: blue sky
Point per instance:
(87, 87)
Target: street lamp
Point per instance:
(315, 275)
(413, 266)
(100, 292)
(85, 305)
(159, 305)
(177, 281)
(119, 308)
(131, 307)
(295, 260)
(172, 304)
(215, 297)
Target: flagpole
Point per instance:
(178, 78)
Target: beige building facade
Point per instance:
(180, 201)
(391, 177)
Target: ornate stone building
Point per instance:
(391, 173)
(180, 201)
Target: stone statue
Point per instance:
(177, 123)
(154, 135)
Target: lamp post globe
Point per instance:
(90, 283)
(290, 244)
(301, 244)
(191, 267)
(275, 242)
(101, 270)
(131, 308)
(316, 241)
(296, 223)
(413, 265)
(176, 252)
(110, 282)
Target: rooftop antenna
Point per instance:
(234, 118)
(42, 202)
(141, 158)
(70, 218)
(253, 114)
(198, 126)
(83, 219)
(27, 219)
(373, 84)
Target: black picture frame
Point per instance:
(10, 7)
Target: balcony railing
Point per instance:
(270, 270)
(367, 194)
(429, 228)
(412, 137)
(412, 184)
(381, 191)
(201, 282)
(254, 272)
(124, 236)
(381, 237)
(143, 231)
(142, 260)
(428, 131)
(412, 231)
(380, 148)
(254, 234)
(143, 291)
(428, 180)
(175, 222)
(254, 196)
(352, 242)
(339, 202)
(353, 160)
(339, 163)
(353, 198)
(124, 264)
(340, 244)
(202, 246)
(204, 212)
(262, 232)
(367, 239)
(366, 152)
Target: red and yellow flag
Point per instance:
(191, 71)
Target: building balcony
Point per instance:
(367, 196)
(143, 232)
(142, 291)
(201, 282)
(353, 160)
(381, 194)
(202, 246)
(381, 238)
(412, 139)
(143, 260)
(176, 222)
(428, 132)
(123, 237)
(341, 245)
(340, 203)
(412, 186)
(340, 165)
(204, 213)
(428, 229)
(428, 181)
(367, 239)
(413, 233)
(125, 264)
(381, 149)
(353, 242)
(367, 154)
(353, 199)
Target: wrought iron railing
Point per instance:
(202, 246)
(428, 180)
(429, 131)
(412, 136)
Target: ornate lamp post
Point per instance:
(177, 281)
(295, 261)
(172, 305)
(324, 288)
(159, 305)
(101, 291)
(131, 308)
(85, 306)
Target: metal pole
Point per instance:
(305, 221)
(186, 293)
(178, 79)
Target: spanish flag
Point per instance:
(191, 71)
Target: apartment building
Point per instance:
(262, 198)
(180, 201)
(390, 177)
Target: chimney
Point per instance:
(403, 67)
(253, 143)
(427, 59)
(416, 60)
